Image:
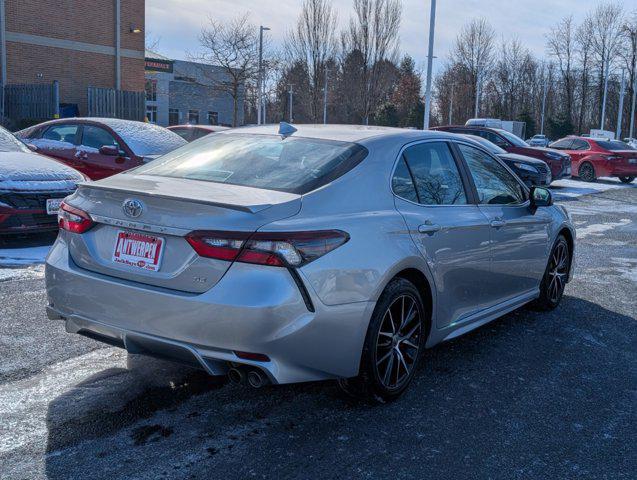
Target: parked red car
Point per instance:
(100, 147)
(559, 162)
(593, 158)
(195, 132)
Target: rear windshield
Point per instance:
(614, 145)
(292, 164)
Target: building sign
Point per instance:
(156, 65)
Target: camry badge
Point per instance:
(132, 208)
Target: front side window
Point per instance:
(96, 137)
(494, 184)
(61, 133)
(293, 164)
(434, 173)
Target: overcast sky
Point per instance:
(176, 23)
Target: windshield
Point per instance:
(491, 147)
(514, 139)
(614, 145)
(9, 143)
(293, 164)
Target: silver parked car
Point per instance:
(306, 253)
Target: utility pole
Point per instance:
(477, 108)
(260, 111)
(291, 98)
(601, 120)
(632, 109)
(430, 59)
(451, 104)
(325, 97)
(620, 109)
(3, 58)
(545, 89)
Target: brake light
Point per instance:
(73, 219)
(278, 249)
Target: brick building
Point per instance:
(81, 44)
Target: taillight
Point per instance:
(73, 219)
(279, 249)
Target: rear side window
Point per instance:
(579, 144)
(434, 173)
(61, 133)
(292, 164)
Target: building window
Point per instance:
(193, 117)
(213, 118)
(151, 90)
(173, 116)
(151, 113)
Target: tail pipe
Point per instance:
(256, 378)
(236, 375)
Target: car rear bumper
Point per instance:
(256, 309)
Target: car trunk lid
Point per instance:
(170, 209)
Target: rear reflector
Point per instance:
(278, 249)
(257, 357)
(73, 219)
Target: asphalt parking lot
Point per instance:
(532, 395)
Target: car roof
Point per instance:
(345, 133)
(212, 128)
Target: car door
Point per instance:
(578, 150)
(519, 237)
(97, 165)
(450, 231)
(59, 141)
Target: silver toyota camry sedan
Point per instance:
(281, 254)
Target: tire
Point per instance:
(587, 172)
(555, 276)
(393, 345)
(626, 179)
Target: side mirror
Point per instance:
(540, 197)
(33, 148)
(111, 150)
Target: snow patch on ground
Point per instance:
(598, 229)
(627, 267)
(15, 257)
(21, 273)
(570, 188)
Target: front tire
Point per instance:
(626, 179)
(587, 172)
(393, 345)
(555, 276)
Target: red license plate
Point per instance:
(138, 250)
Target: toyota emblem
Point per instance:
(133, 208)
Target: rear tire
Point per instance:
(395, 340)
(626, 179)
(555, 276)
(587, 172)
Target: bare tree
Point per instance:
(474, 48)
(312, 43)
(373, 31)
(560, 43)
(583, 36)
(231, 45)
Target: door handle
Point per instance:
(429, 228)
(498, 223)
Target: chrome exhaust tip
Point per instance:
(236, 375)
(256, 379)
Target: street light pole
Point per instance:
(632, 109)
(620, 109)
(260, 77)
(601, 120)
(325, 98)
(546, 87)
(430, 58)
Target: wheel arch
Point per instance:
(421, 282)
(570, 239)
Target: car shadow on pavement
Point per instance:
(534, 394)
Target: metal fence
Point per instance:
(108, 102)
(29, 102)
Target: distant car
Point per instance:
(538, 141)
(631, 141)
(530, 170)
(559, 162)
(101, 147)
(593, 158)
(32, 187)
(195, 132)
